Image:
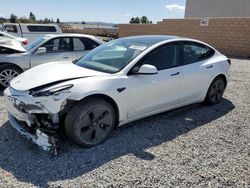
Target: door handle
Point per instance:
(175, 74)
(209, 67)
(65, 57)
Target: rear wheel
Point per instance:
(215, 91)
(7, 73)
(90, 123)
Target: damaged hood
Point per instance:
(49, 73)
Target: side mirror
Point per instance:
(147, 70)
(75, 61)
(41, 50)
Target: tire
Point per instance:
(215, 91)
(7, 73)
(90, 122)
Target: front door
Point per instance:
(152, 93)
(57, 49)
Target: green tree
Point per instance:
(144, 19)
(13, 18)
(39, 21)
(46, 20)
(32, 17)
(83, 22)
(57, 20)
(135, 20)
(2, 20)
(24, 20)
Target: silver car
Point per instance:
(50, 48)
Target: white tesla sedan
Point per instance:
(118, 82)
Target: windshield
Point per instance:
(35, 43)
(113, 56)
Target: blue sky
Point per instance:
(114, 11)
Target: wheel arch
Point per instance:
(109, 100)
(3, 64)
(223, 76)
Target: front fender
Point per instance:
(102, 86)
(22, 61)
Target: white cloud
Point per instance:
(175, 7)
(127, 15)
(2, 15)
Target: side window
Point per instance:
(194, 52)
(78, 44)
(58, 45)
(35, 28)
(81, 44)
(10, 28)
(89, 44)
(164, 58)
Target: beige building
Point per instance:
(217, 8)
(225, 24)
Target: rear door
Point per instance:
(57, 49)
(196, 70)
(82, 46)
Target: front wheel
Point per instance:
(90, 122)
(215, 91)
(7, 73)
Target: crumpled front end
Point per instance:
(37, 118)
(46, 142)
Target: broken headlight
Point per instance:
(51, 91)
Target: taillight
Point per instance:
(25, 42)
(229, 61)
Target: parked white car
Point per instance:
(23, 41)
(118, 82)
(63, 47)
(30, 31)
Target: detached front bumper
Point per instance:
(44, 141)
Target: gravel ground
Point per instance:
(195, 146)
